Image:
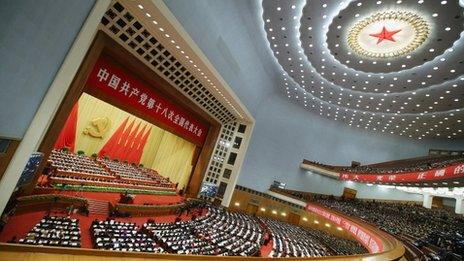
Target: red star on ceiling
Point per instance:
(385, 35)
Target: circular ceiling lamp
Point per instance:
(416, 95)
(388, 34)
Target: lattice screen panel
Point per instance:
(220, 154)
(130, 33)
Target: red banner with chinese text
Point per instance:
(368, 239)
(450, 172)
(115, 82)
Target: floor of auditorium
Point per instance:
(20, 224)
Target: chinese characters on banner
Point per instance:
(114, 81)
(453, 171)
(364, 236)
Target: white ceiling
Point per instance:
(419, 94)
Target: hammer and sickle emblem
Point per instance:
(97, 127)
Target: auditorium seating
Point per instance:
(293, 241)
(406, 165)
(437, 227)
(54, 231)
(218, 233)
(73, 163)
(80, 170)
(422, 165)
(122, 236)
(339, 246)
(128, 171)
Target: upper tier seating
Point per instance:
(293, 241)
(436, 226)
(407, 165)
(122, 236)
(70, 162)
(218, 233)
(422, 165)
(54, 231)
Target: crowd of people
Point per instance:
(339, 246)
(74, 163)
(438, 227)
(54, 231)
(74, 169)
(133, 172)
(423, 165)
(122, 236)
(415, 166)
(219, 232)
(209, 230)
(293, 241)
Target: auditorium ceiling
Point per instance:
(390, 66)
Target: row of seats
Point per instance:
(70, 162)
(293, 241)
(90, 181)
(54, 231)
(125, 170)
(436, 226)
(79, 169)
(122, 236)
(218, 233)
(417, 166)
(339, 246)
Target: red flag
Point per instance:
(118, 151)
(67, 136)
(139, 151)
(132, 153)
(112, 143)
(129, 143)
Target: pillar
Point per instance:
(427, 201)
(459, 207)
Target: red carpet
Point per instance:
(19, 225)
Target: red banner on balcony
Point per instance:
(368, 239)
(115, 82)
(450, 172)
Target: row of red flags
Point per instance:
(126, 143)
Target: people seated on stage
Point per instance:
(132, 172)
(74, 163)
(80, 170)
(54, 231)
(218, 233)
(292, 241)
(122, 236)
(439, 227)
